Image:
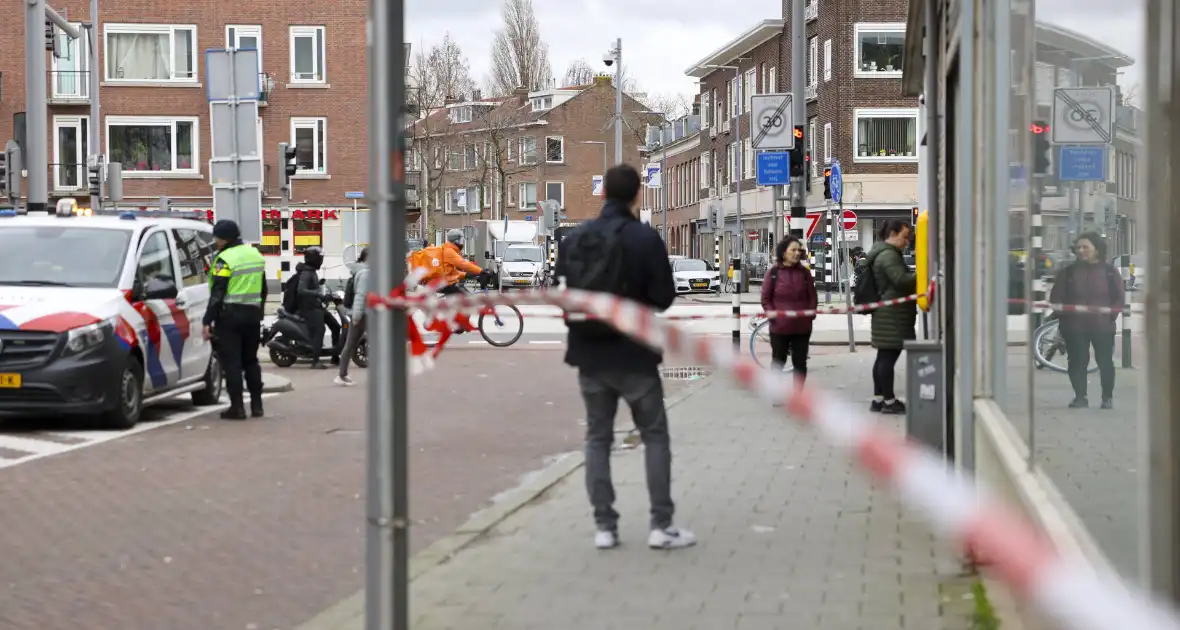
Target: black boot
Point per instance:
(234, 413)
(316, 365)
(256, 408)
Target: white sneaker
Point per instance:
(671, 538)
(345, 381)
(605, 540)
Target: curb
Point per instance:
(350, 612)
(275, 384)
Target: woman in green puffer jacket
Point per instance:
(892, 325)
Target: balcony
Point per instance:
(811, 12)
(68, 178)
(266, 85)
(811, 91)
(413, 196)
(69, 87)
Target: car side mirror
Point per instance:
(322, 281)
(160, 288)
(487, 255)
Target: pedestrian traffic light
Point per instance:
(1042, 149)
(797, 161)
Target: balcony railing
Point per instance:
(67, 177)
(413, 189)
(811, 91)
(69, 86)
(266, 85)
(812, 11)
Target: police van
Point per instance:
(100, 313)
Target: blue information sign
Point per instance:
(354, 195)
(1082, 164)
(836, 181)
(774, 168)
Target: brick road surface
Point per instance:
(211, 525)
(791, 536)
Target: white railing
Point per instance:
(811, 91)
(812, 11)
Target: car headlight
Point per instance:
(86, 337)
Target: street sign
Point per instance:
(354, 195)
(596, 185)
(772, 123)
(752, 235)
(236, 172)
(652, 175)
(851, 236)
(1082, 164)
(836, 181)
(850, 220)
(774, 168)
(1083, 115)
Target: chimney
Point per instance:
(476, 95)
(521, 93)
(450, 100)
(603, 80)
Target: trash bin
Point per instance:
(925, 402)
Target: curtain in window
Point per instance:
(138, 56)
(885, 137)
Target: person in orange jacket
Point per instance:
(455, 266)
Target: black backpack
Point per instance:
(350, 291)
(593, 261)
(865, 291)
(291, 294)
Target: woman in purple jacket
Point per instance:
(789, 286)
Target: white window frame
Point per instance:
(157, 121)
(151, 29)
(773, 79)
(827, 143)
(811, 141)
(561, 202)
(76, 50)
(250, 30)
(524, 155)
(827, 60)
(813, 61)
(873, 27)
(749, 82)
(81, 125)
(895, 112)
(309, 31)
(461, 115)
(748, 169)
(524, 205)
(561, 158)
(706, 114)
(312, 123)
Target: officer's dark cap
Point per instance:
(227, 230)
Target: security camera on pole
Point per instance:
(614, 56)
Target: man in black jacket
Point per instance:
(310, 305)
(612, 366)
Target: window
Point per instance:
(470, 157)
(150, 52)
(811, 139)
(827, 60)
(310, 137)
(729, 164)
(542, 103)
(196, 257)
(272, 237)
(153, 145)
(155, 264)
(307, 54)
(449, 199)
(454, 160)
(705, 111)
(528, 196)
(735, 97)
(460, 115)
(827, 143)
(245, 36)
(1043, 79)
(556, 192)
(885, 135)
(749, 83)
(706, 170)
(554, 149)
(308, 231)
(764, 76)
(528, 150)
(774, 80)
(877, 49)
(812, 60)
(71, 73)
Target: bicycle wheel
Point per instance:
(1049, 346)
(760, 347)
(503, 327)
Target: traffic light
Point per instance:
(94, 178)
(914, 217)
(797, 165)
(827, 183)
(1042, 149)
(287, 160)
(165, 204)
(10, 173)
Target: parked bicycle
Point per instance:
(500, 326)
(760, 342)
(1049, 346)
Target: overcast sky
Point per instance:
(657, 47)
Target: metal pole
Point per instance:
(36, 159)
(95, 109)
(798, 100)
(618, 103)
(737, 155)
(830, 231)
(356, 230)
(387, 511)
(847, 285)
(664, 183)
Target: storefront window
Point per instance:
(272, 237)
(308, 232)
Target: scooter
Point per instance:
(287, 339)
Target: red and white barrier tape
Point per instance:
(1066, 589)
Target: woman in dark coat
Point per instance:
(1090, 281)
(892, 325)
(789, 286)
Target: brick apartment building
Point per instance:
(676, 146)
(491, 158)
(855, 112)
(155, 116)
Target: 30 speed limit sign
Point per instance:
(771, 121)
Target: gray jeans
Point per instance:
(356, 330)
(644, 394)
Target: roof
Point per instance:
(761, 33)
(507, 108)
(1083, 46)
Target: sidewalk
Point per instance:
(790, 536)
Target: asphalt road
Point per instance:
(204, 524)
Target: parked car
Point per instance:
(695, 276)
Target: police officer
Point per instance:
(237, 292)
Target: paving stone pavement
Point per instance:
(791, 535)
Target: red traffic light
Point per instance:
(1039, 128)
(827, 172)
(798, 132)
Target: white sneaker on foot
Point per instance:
(671, 538)
(604, 539)
(345, 381)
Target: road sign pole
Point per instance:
(847, 285)
(799, 102)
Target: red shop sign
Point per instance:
(315, 215)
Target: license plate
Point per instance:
(700, 285)
(522, 282)
(10, 381)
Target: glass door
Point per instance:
(71, 136)
(70, 74)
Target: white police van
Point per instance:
(101, 315)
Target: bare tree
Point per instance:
(509, 150)
(579, 72)
(1131, 95)
(436, 75)
(520, 58)
(671, 105)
